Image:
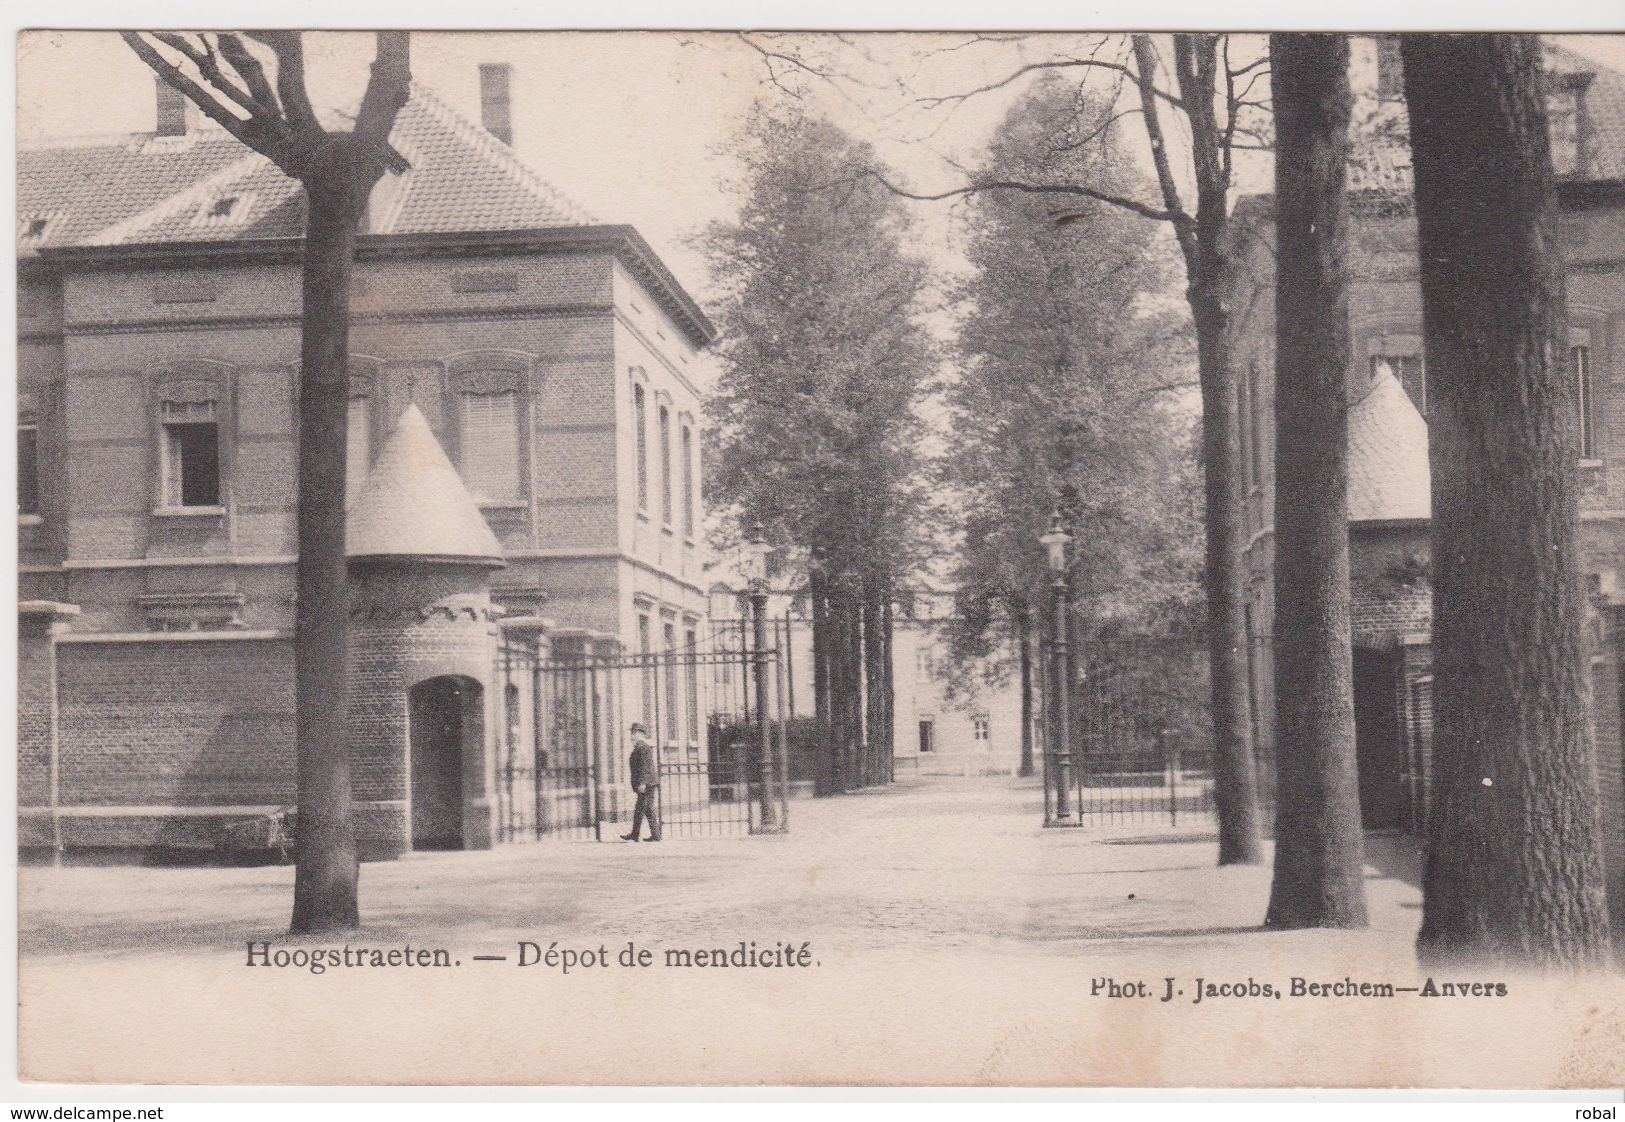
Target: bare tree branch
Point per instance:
(242, 61)
(789, 61)
(933, 102)
(289, 48)
(257, 133)
(203, 57)
(1231, 111)
(388, 89)
(1037, 189)
(286, 133)
(1185, 227)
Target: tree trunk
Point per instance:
(1236, 775)
(889, 679)
(873, 681)
(1024, 640)
(857, 732)
(324, 891)
(1319, 844)
(337, 171)
(1208, 269)
(1514, 870)
(840, 698)
(818, 588)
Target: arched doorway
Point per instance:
(447, 721)
(1379, 746)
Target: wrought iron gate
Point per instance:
(722, 767)
(1141, 750)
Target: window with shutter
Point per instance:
(1587, 402)
(691, 640)
(490, 445)
(1260, 420)
(648, 673)
(27, 468)
(1565, 122)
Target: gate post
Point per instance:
(40, 622)
(786, 710)
(765, 762)
(607, 723)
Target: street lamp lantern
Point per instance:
(757, 549)
(1056, 539)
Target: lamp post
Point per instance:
(757, 549)
(1055, 540)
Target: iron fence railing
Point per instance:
(565, 738)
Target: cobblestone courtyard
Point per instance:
(954, 940)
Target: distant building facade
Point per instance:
(551, 361)
(1389, 494)
(945, 722)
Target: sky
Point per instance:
(636, 126)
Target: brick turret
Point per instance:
(422, 646)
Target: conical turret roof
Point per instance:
(1388, 456)
(414, 504)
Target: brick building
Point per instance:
(1388, 451)
(547, 361)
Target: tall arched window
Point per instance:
(665, 465)
(640, 422)
(358, 454)
(688, 482)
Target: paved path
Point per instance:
(954, 940)
(953, 862)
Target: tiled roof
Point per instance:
(1380, 166)
(414, 504)
(1388, 455)
(1605, 111)
(143, 188)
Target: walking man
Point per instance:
(646, 782)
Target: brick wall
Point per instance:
(1390, 597)
(35, 712)
(1607, 697)
(184, 723)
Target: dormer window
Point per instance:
(1390, 70)
(1566, 122)
(224, 210)
(33, 228)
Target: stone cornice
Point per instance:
(623, 242)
